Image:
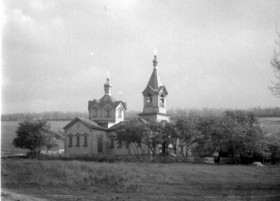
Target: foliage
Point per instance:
(131, 135)
(55, 115)
(271, 147)
(187, 132)
(241, 133)
(180, 113)
(135, 133)
(236, 133)
(275, 63)
(207, 139)
(34, 135)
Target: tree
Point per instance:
(235, 133)
(168, 135)
(271, 149)
(131, 135)
(275, 63)
(134, 133)
(34, 135)
(206, 140)
(240, 134)
(187, 131)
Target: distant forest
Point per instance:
(176, 113)
(54, 116)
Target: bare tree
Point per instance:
(275, 63)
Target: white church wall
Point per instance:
(80, 129)
(92, 140)
(94, 148)
(121, 109)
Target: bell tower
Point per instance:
(154, 96)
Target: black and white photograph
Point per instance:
(131, 100)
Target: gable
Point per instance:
(121, 106)
(77, 127)
(86, 122)
(149, 90)
(163, 90)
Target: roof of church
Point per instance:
(155, 81)
(87, 122)
(107, 99)
(154, 85)
(135, 121)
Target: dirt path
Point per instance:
(11, 196)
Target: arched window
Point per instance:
(95, 112)
(85, 140)
(78, 140)
(162, 100)
(107, 112)
(70, 140)
(149, 98)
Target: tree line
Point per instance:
(176, 113)
(235, 134)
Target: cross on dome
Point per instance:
(155, 62)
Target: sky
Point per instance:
(211, 54)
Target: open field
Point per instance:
(73, 180)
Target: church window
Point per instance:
(162, 100)
(70, 140)
(78, 140)
(107, 112)
(149, 99)
(95, 112)
(85, 140)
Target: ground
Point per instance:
(74, 180)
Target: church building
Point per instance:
(96, 135)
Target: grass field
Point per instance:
(73, 180)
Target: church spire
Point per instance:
(155, 97)
(154, 82)
(107, 86)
